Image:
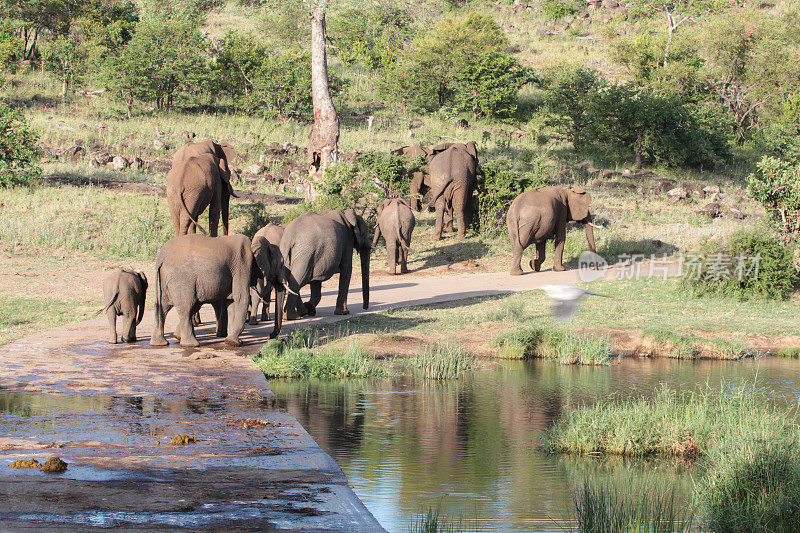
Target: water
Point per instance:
(471, 446)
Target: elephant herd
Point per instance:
(236, 275)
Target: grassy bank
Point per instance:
(21, 316)
(564, 346)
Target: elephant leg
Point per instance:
(185, 328)
(448, 219)
(291, 307)
(129, 327)
(157, 337)
(221, 312)
(536, 264)
(316, 296)
(186, 225)
(213, 218)
(225, 209)
(558, 254)
(255, 299)
(391, 256)
(237, 309)
(517, 250)
(344, 286)
(460, 206)
(111, 313)
(441, 205)
(403, 260)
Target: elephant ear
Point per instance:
(228, 153)
(143, 279)
(382, 206)
(225, 174)
(579, 202)
(141, 304)
(472, 149)
(439, 148)
(359, 227)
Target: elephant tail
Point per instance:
(196, 223)
(404, 243)
(158, 290)
(110, 303)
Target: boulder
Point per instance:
(736, 213)
(589, 168)
(120, 163)
(73, 154)
(609, 174)
(137, 163)
(712, 209)
(678, 194)
(462, 123)
(711, 189)
(255, 169)
(158, 144)
(665, 184)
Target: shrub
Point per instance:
(566, 347)
(443, 361)
(499, 183)
(556, 9)
(776, 186)
(752, 264)
(292, 357)
(489, 86)
(18, 154)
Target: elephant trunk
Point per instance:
(589, 234)
(280, 299)
(365, 253)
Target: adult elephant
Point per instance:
(195, 184)
(195, 269)
(453, 175)
(268, 257)
(317, 245)
(420, 181)
(542, 214)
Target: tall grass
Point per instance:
(564, 346)
(443, 361)
(435, 521)
(642, 507)
(686, 424)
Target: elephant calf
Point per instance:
(396, 223)
(192, 270)
(124, 292)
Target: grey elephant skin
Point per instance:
(453, 175)
(268, 257)
(193, 187)
(395, 224)
(124, 293)
(542, 214)
(195, 269)
(420, 185)
(317, 245)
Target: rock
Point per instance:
(766, 5)
(179, 440)
(255, 169)
(137, 163)
(736, 214)
(54, 465)
(610, 4)
(645, 190)
(73, 154)
(694, 190)
(711, 209)
(158, 144)
(462, 123)
(665, 184)
(609, 174)
(188, 136)
(711, 189)
(627, 172)
(678, 194)
(100, 159)
(120, 163)
(589, 168)
(595, 183)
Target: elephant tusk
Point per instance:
(592, 224)
(286, 286)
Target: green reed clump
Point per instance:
(641, 507)
(690, 347)
(443, 361)
(435, 521)
(686, 424)
(293, 357)
(565, 347)
(752, 485)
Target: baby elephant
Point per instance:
(124, 292)
(395, 222)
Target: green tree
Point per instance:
(490, 85)
(569, 98)
(372, 36)
(776, 186)
(67, 59)
(18, 153)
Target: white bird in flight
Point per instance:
(565, 299)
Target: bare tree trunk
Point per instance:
(323, 138)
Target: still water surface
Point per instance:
(471, 446)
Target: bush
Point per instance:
(18, 154)
(555, 9)
(292, 357)
(752, 264)
(776, 186)
(499, 183)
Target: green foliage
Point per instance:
(751, 485)
(500, 181)
(683, 424)
(751, 264)
(556, 9)
(776, 186)
(566, 347)
(164, 61)
(372, 36)
(460, 63)
(570, 95)
(67, 60)
(18, 154)
(443, 361)
(641, 507)
(292, 357)
(490, 85)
